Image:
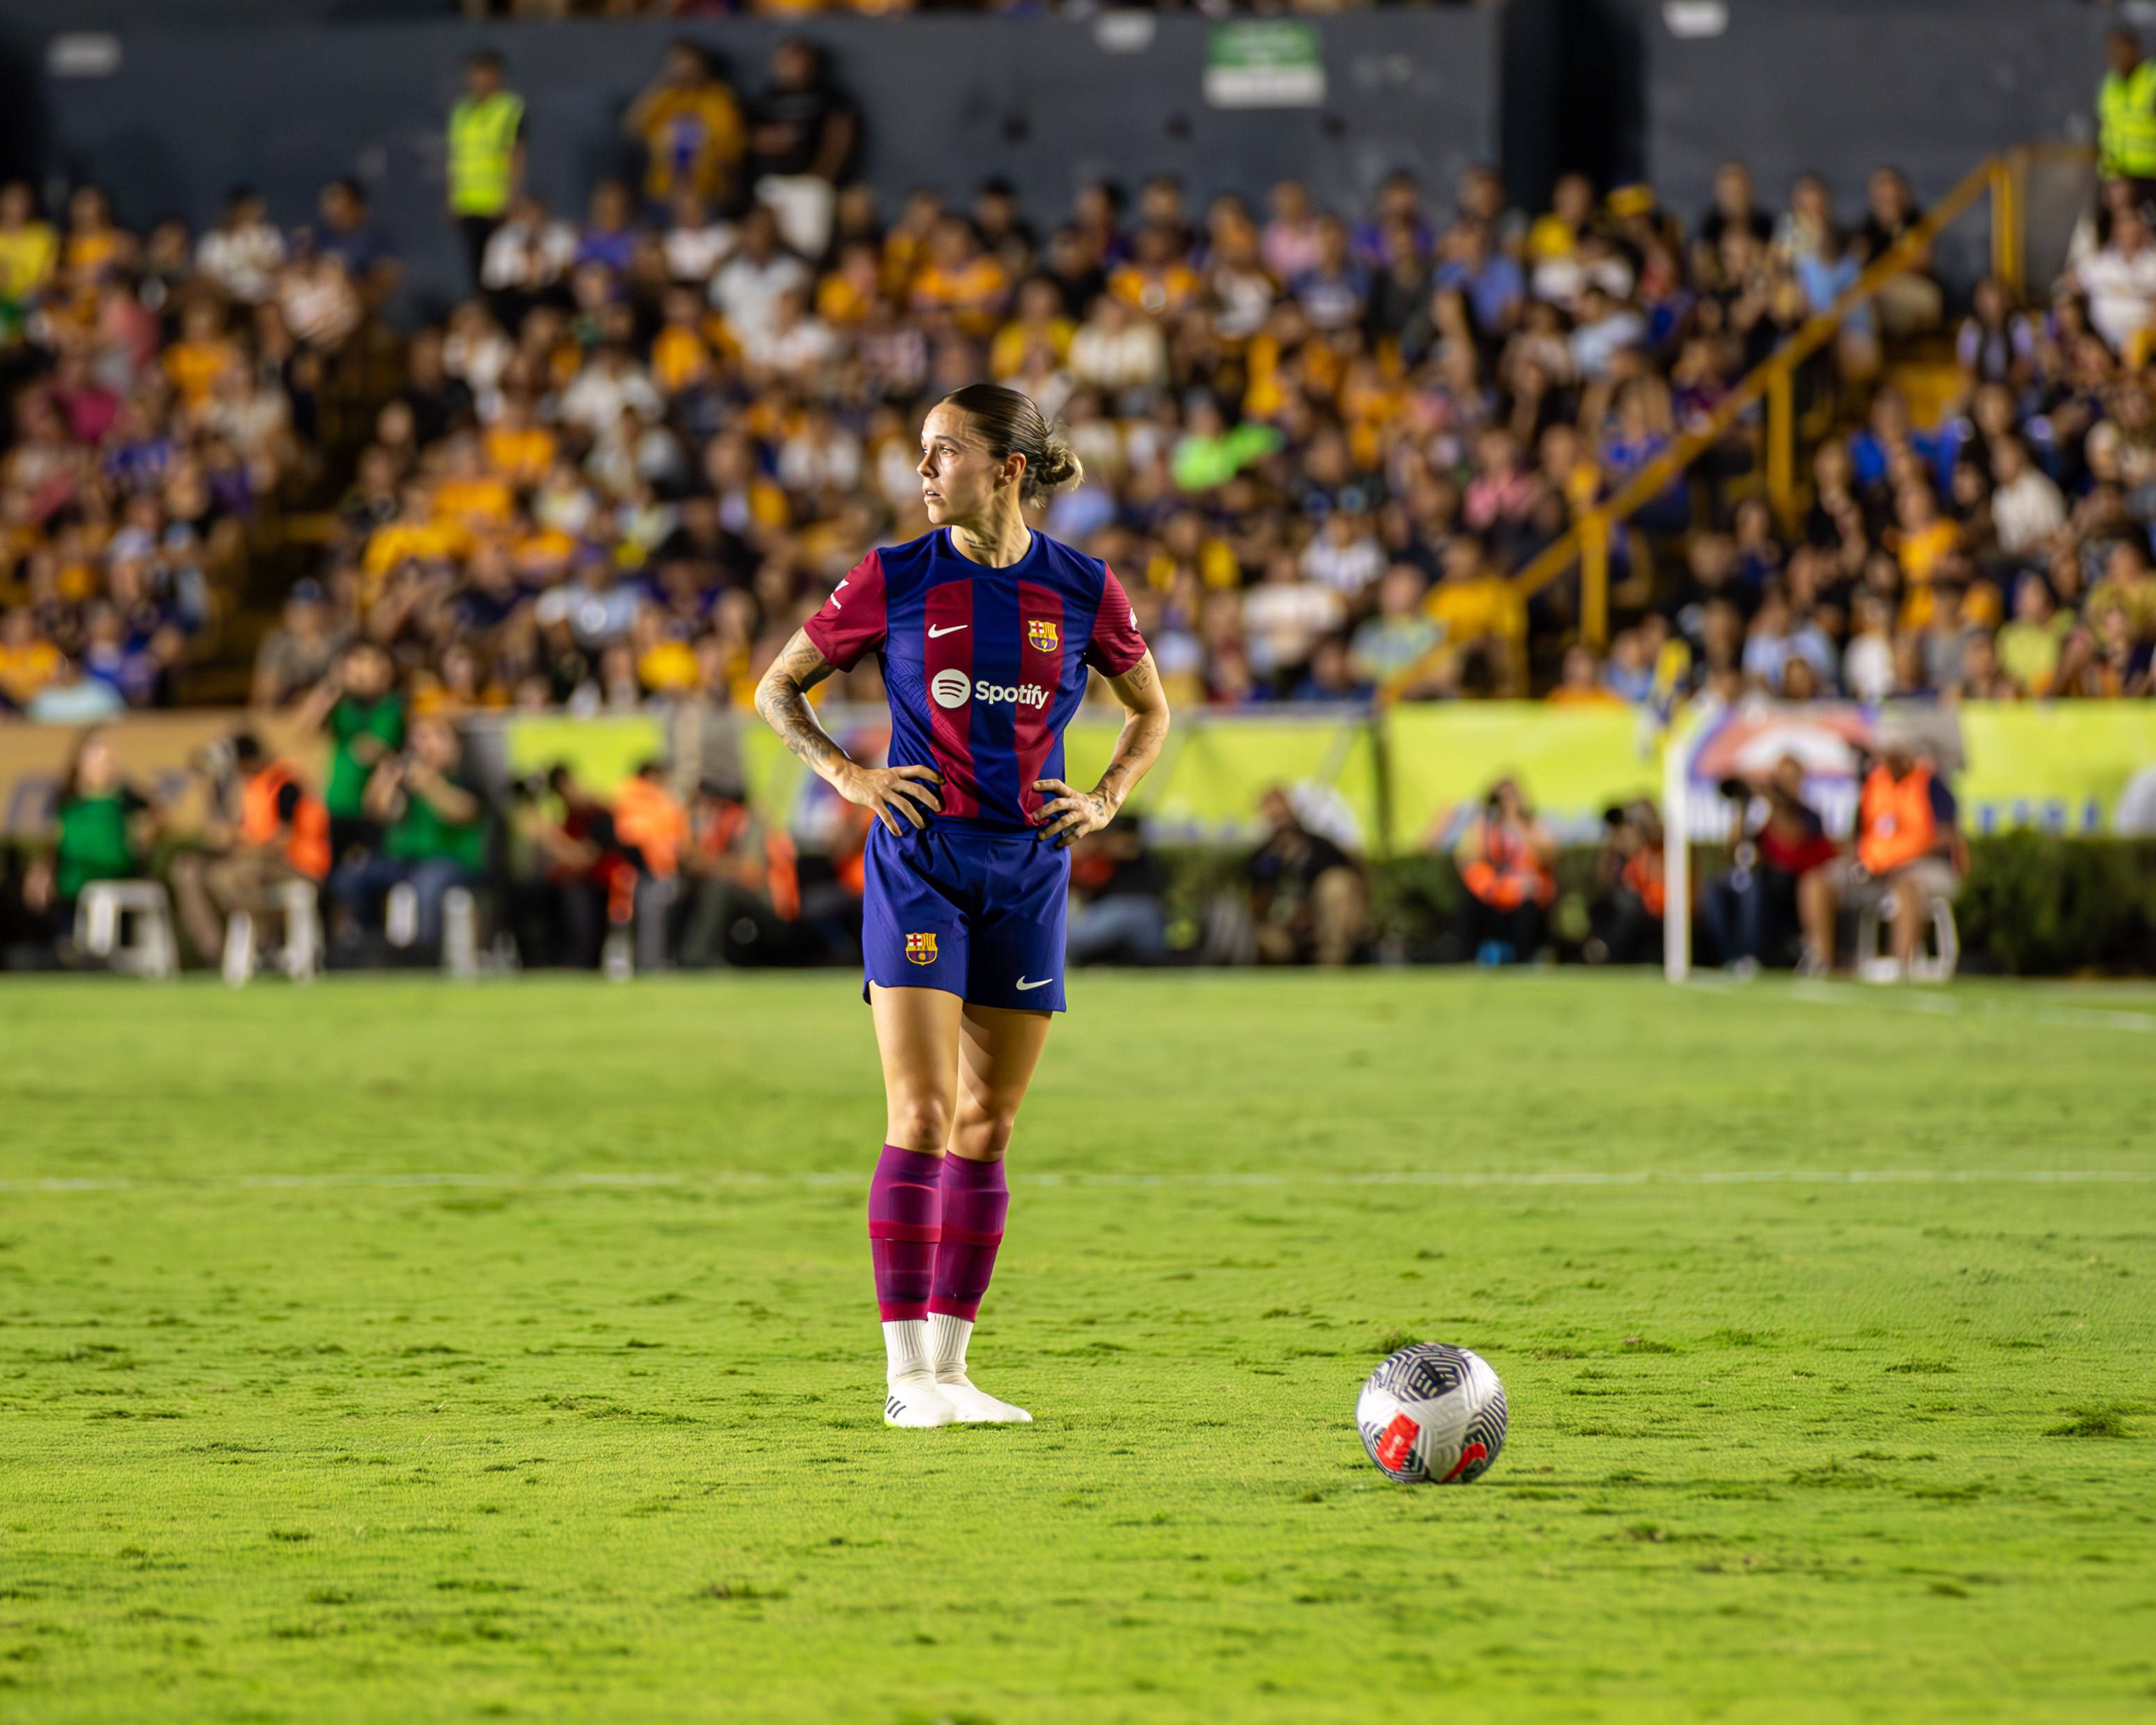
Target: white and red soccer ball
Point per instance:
(1432, 1415)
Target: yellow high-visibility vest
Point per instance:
(2126, 113)
(483, 153)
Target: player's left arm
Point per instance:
(1070, 813)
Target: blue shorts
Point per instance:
(977, 911)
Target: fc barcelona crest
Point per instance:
(921, 948)
(1042, 635)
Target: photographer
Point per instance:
(1781, 882)
(1628, 894)
(1505, 859)
(1307, 895)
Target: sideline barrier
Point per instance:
(1393, 782)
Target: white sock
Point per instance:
(905, 1350)
(948, 1335)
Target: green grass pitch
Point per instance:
(394, 1351)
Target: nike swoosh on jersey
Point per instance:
(948, 629)
(1024, 984)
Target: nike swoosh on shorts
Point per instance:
(1024, 984)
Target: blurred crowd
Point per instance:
(1317, 441)
(879, 8)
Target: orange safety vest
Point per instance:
(1643, 873)
(1894, 822)
(782, 873)
(648, 816)
(307, 848)
(1508, 873)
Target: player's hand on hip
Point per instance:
(1068, 813)
(893, 794)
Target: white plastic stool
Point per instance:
(302, 953)
(459, 931)
(1875, 964)
(101, 926)
(400, 915)
(301, 956)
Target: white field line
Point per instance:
(1936, 1003)
(1577, 1177)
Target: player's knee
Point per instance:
(919, 1122)
(983, 1135)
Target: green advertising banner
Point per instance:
(2063, 766)
(1572, 763)
(601, 751)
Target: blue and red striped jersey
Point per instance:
(983, 667)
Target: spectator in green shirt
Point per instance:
(433, 823)
(362, 710)
(104, 831)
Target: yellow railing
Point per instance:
(2003, 178)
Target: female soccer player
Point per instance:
(986, 629)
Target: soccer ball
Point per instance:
(1433, 1413)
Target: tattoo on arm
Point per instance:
(783, 699)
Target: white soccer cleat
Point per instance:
(974, 1406)
(918, 1400)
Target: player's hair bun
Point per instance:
(1011, 425)
(1060, 465)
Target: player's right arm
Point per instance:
(888, 793)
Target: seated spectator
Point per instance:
(1580, 684)
(266, 829)
(1118, 915)
(743, 893)
(433, 825)
(103, 827)
(1780, 885)
(242, 255)
(2030, 646)
(2120, 281)
(1506, 858)
(1308, 894)
(582, 882)
(1400, 641)
(1906, 847)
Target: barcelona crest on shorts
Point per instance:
(921, 948)
(1042, 635)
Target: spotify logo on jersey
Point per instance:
(951, 687)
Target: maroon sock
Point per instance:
(975, 1201)
(906, 1206)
